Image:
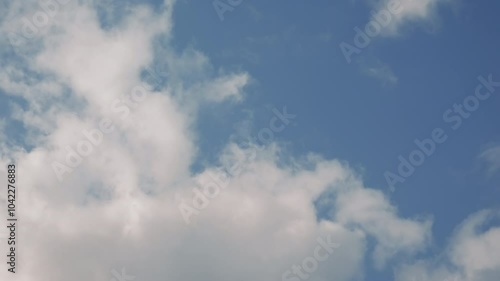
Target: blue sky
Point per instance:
(224, 81)
(343, 113)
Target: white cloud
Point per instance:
(118, 208)
(413, 11)
(370, 210)
(379, 70)
(473, 254)
(492, 158)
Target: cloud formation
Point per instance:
(118, 208)
(413, 11)
(473, 253)
(492, 158)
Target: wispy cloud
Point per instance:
(491, 156)
(378, 70)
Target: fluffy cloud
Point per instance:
(119, 207)
(411, 11)
(473, 253)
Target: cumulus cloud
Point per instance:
(473, 253)
(119, 206)
(412, 11)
